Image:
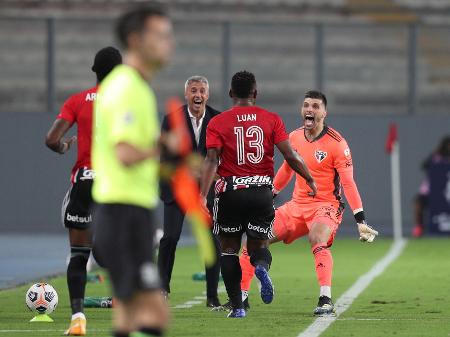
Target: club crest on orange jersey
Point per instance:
(320, 155)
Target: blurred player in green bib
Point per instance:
(125, 156)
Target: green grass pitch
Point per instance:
(411, 298)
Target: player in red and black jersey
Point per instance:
(76, 212)
(240, 144)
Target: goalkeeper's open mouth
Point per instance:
(309, 121)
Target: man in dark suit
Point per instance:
(198, 115)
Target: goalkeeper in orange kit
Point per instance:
(329, 160)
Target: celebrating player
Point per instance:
(76, 213)
(125, 157)
(329, 159)
(240, 144)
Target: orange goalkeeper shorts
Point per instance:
(294, 220)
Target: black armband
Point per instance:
(360, 217)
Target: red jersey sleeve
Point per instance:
(344, 166)
(68, 110)
(279, 130)
(213, 137)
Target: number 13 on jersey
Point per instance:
(254, 137)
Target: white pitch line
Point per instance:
(346, 299)
(183, 306)
(200, 298)
(197, 300)
(378, 319)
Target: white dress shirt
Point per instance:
(196, 126)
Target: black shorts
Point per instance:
(123, 242)
(77, 204)
(248, 210)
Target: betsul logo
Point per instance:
(232, 229)
(257, 228)
(80, 219)
(320, 155)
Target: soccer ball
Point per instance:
(41, 297)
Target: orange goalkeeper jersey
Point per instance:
(329, 160)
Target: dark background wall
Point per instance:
(33, 180)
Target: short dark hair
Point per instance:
(242, 84)
(133, 21)
(441, 150)
(317, 95)
(105, 60)
(444, 146)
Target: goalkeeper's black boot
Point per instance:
(324, 307)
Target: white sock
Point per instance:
(244, 294)
(325, 291)
(78, 315)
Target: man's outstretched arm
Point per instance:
(282, 177)
(297, 163)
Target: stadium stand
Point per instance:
(365, 58)
(424, 4)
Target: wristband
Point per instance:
(359, 217)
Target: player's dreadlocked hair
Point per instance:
(134, 20)
(317, 95)
(243, 84)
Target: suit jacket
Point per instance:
(165, 190)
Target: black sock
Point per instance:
(76, 277)
(120, 334)
(261, 257)
(213, 273)
(77, 305)
(151, 331)
(232, 275)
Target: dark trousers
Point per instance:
(173, 224)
